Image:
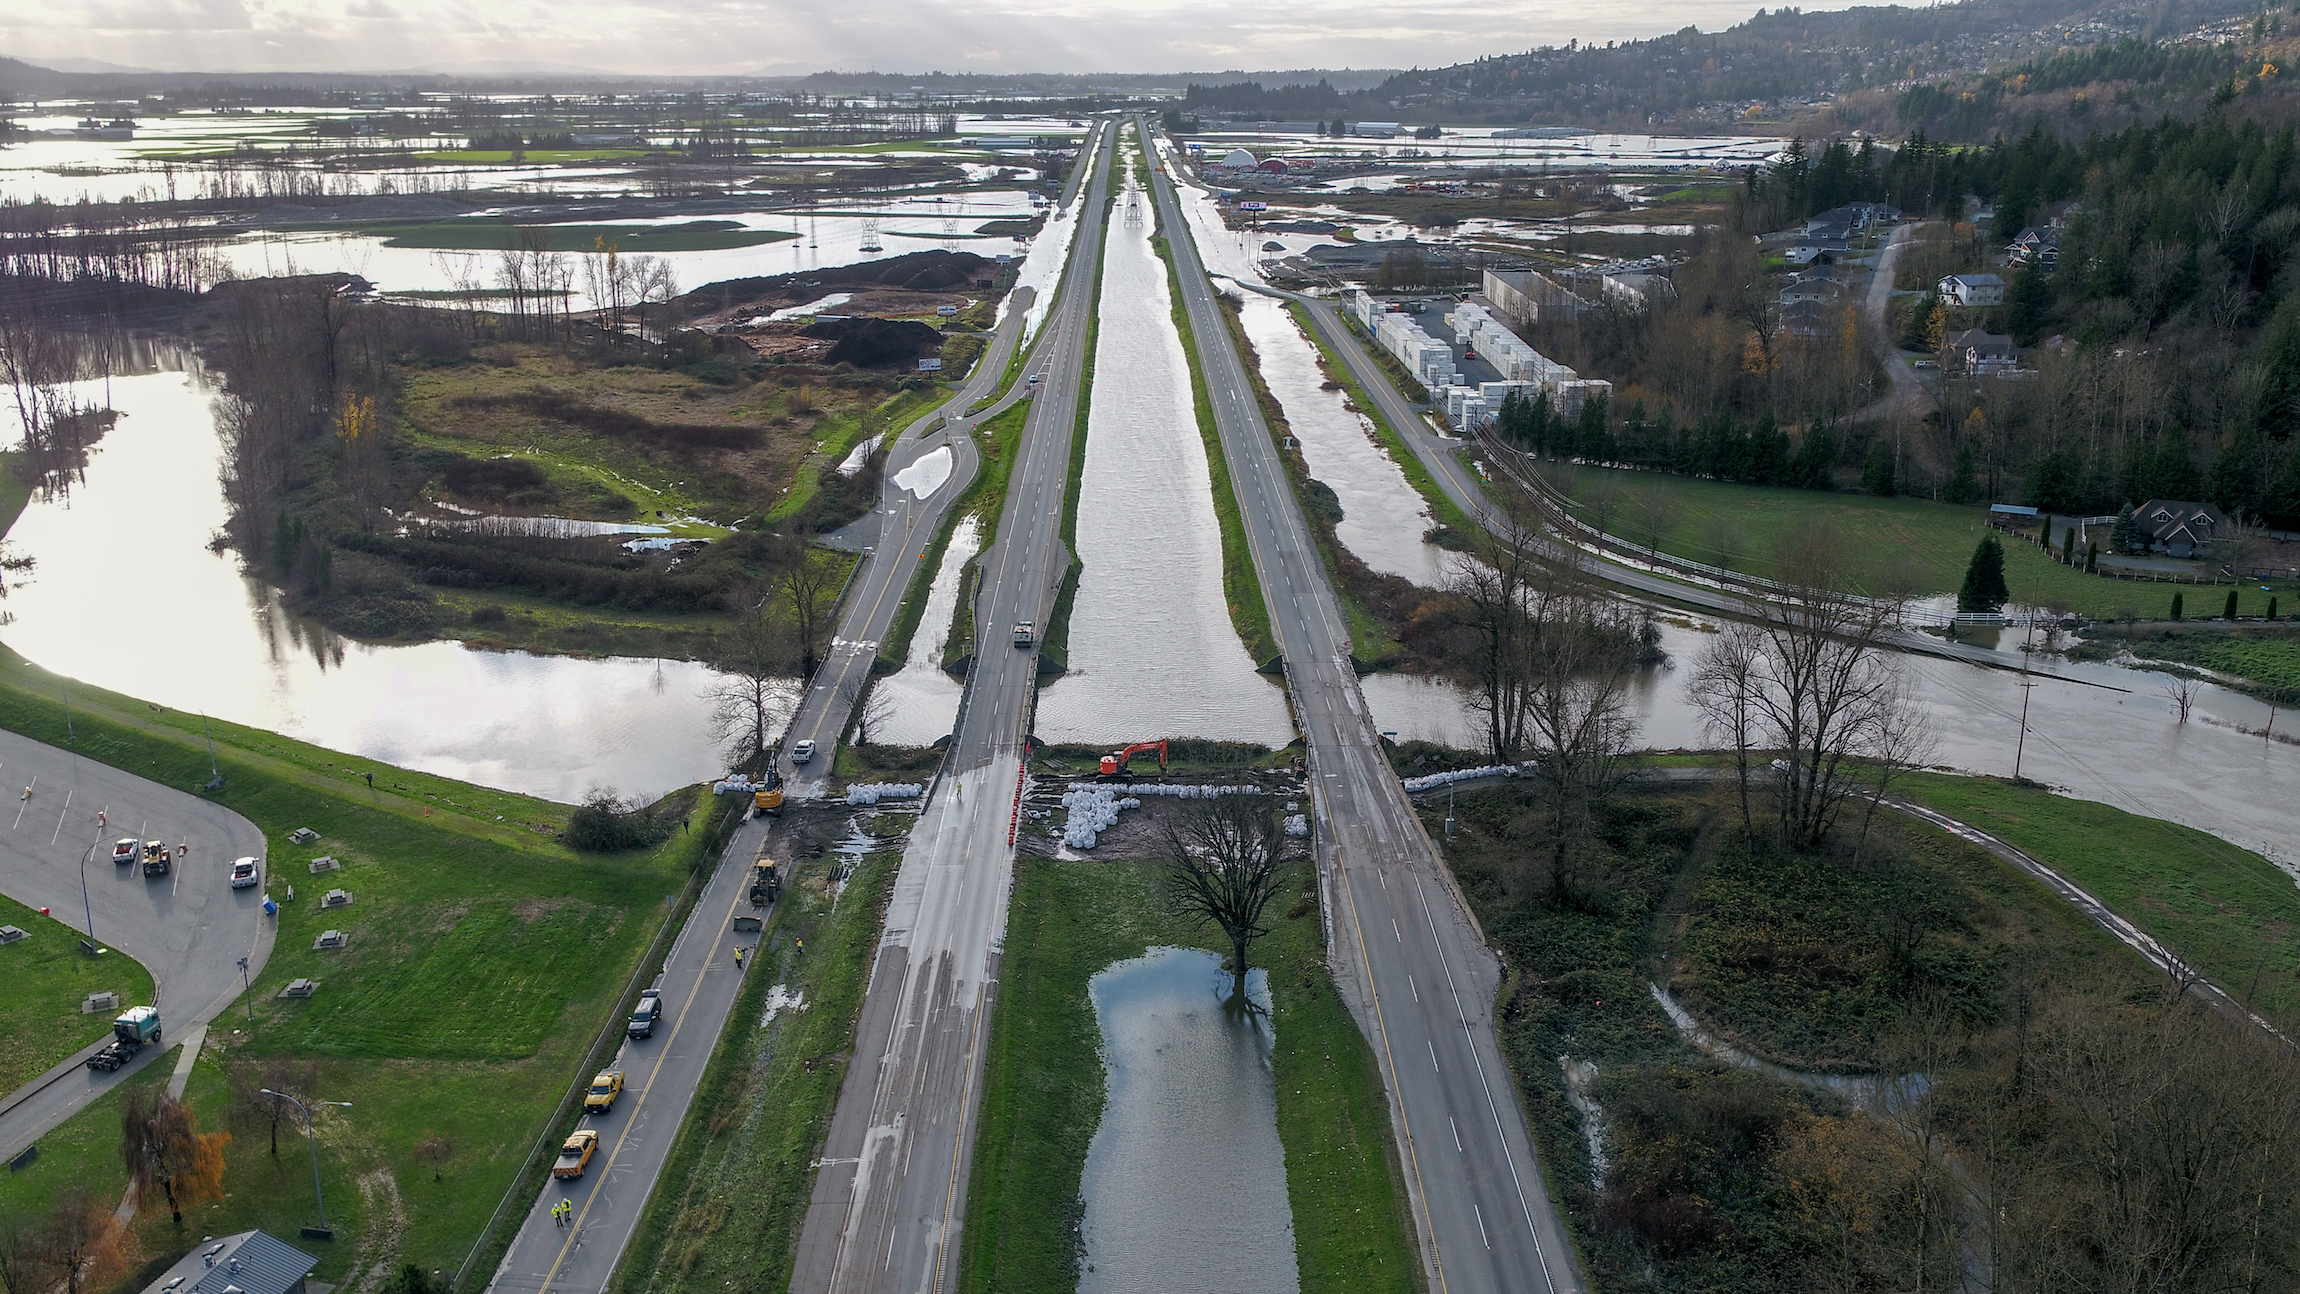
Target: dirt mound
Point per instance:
(875, 343)
(929, 271)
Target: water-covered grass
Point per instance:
(1043, 1087)
(2232, 914)
(480, 235)
(1241, 584)
(735, 1191)
(2268, 660)
(48, 976)
(485, 957)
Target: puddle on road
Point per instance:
(927, 475)
(920, 700)
(1152, 651)
(1383, 518)
(1185, 1184)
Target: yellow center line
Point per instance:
(576, 1228)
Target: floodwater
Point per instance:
(127, 595)
(2119, 743)
(1383, 519)
(1185, 1183)
(920, 700)
(1152, 650)
(928, 474)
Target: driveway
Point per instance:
(189, 928)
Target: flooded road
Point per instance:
(1383, 519)
(127, 595)
(920, 700)
(1152, 650)
(1185, 1183)
(2123, 747)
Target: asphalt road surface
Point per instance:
(660, 1073)
(189, 928)
(1424, 995)
(891, 1192)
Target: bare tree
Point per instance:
(1901, 739)
(806, 590)
(873, 714)
(1223, 857)
(752, 698)
(2182, 691)
(81, 1240)
(1724, 687)
(23, 1264)
(252, 1106)
(1580, 645)
(435, 1150)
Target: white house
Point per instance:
(1973, 290)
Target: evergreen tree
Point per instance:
(1964, 478)
(1815, 467)
(2068, 545)
(2228, 612)
(1592, 440)
(2029, 304)
(2177, 599)
(1984, 587)
(2237, 482)
(2278, 412)
(2126, 536)
(1877, 469)
(1768, 453)
(2092, 559)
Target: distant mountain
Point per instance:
(89, 65)
(499, 67)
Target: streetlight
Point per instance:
(322, 1229)
(248, 987)
(85, 904)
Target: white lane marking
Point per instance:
(58, 833)
(27, 800)
(1433, 1056)
(1395, 931)
(1488, 1239)
(1411, 989)
(1456, 1132)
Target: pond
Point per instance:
(128, 595)
(1185, 1183)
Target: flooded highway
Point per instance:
(920, 700)
(1152, 650)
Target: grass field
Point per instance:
(484, 958)
(1043, 1088)
(47, 977)
(484, 235)
(1241, 584)
(741, 1173)
(2268, 659)
(2228, 911)
(534, 156)
(1921, 544)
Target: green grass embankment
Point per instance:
(838, 436)
(2266, 660)
(48, 977)
(1241, 584)
(736, 1189)
(1441, 506)
(1043, 1088)
(2232, 914)
(484, 959)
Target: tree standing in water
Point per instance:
(1222, 869)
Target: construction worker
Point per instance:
(738, 956)
(567, 1207)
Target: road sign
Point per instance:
(1253, 206)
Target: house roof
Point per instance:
(1975, 280)
(2166, 519)
(251, 1262)
(1987, 343)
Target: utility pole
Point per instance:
(320, 1232)
(2027, 685)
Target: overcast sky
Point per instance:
(675, 37)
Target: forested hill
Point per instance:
(1881, 68)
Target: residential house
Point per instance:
(1809, 248)
(2180, 528)
(250, 1262)
(1972, 290)
(2039, 243)
(1982, 354)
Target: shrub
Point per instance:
(604, 824)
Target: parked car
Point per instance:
(576, 1154)
(124, 850)
(245, 874)
(802, 752)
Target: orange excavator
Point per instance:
(1114, 763)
